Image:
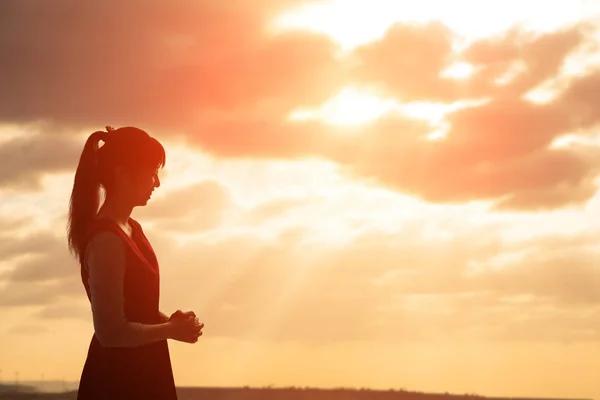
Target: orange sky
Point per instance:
(357, 193)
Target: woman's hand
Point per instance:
(179, 312)
(185, 328)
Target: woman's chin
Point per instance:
(142, 202)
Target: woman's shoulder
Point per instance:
(105, 245)
(103, 232)
(106, 238)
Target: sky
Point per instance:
(383, 194)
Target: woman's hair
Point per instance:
(129, 148)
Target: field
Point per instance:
(197, 393)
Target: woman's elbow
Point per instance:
(108, 339)
(112, 336)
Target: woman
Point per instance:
(128, 357)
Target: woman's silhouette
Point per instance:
(128, 357)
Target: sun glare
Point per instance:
(459, 70)
(355, 106)
(351, 106)
(352, 23)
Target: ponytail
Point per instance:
(85, 197)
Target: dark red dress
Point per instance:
(130, 373)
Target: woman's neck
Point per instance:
(115, 210)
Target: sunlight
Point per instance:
(565, 141)
(351, 106)
(514, 70)
(425, 110)
(576, 139)
(358, 106)
(471, 19)
(438, 134)
(544, 94)
(458, 70)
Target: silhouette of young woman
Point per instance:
(128, 357)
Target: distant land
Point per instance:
(31, 390)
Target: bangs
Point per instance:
(152, 153)
(137, 149)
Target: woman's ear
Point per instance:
(118, 175)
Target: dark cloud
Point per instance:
(498, 150)
(154, 65)
(211, 71)
(40, 270)
(56, 263)
(33, 245)
(23, 161)
(581, 99)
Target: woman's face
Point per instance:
(137, 186)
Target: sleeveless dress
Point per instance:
(130, 373)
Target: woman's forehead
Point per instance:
(153, 170)
(149, 169)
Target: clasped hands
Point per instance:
(186, 327)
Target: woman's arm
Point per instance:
(163, 317)
(105, 260)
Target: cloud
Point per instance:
(386, 287)
(213, 72)
(24, 161)
(499, 151)
(29, 329)
(10, 224)
(66, 311)
(39, 243)
(272, 210)
(382, 287)
(527, 59)
(39, 270)
(568, 278)
(407, 62)
(580, 99)
(42, 258)
(156, 66)
(20, 294)
(198, 207)
(46, 267)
